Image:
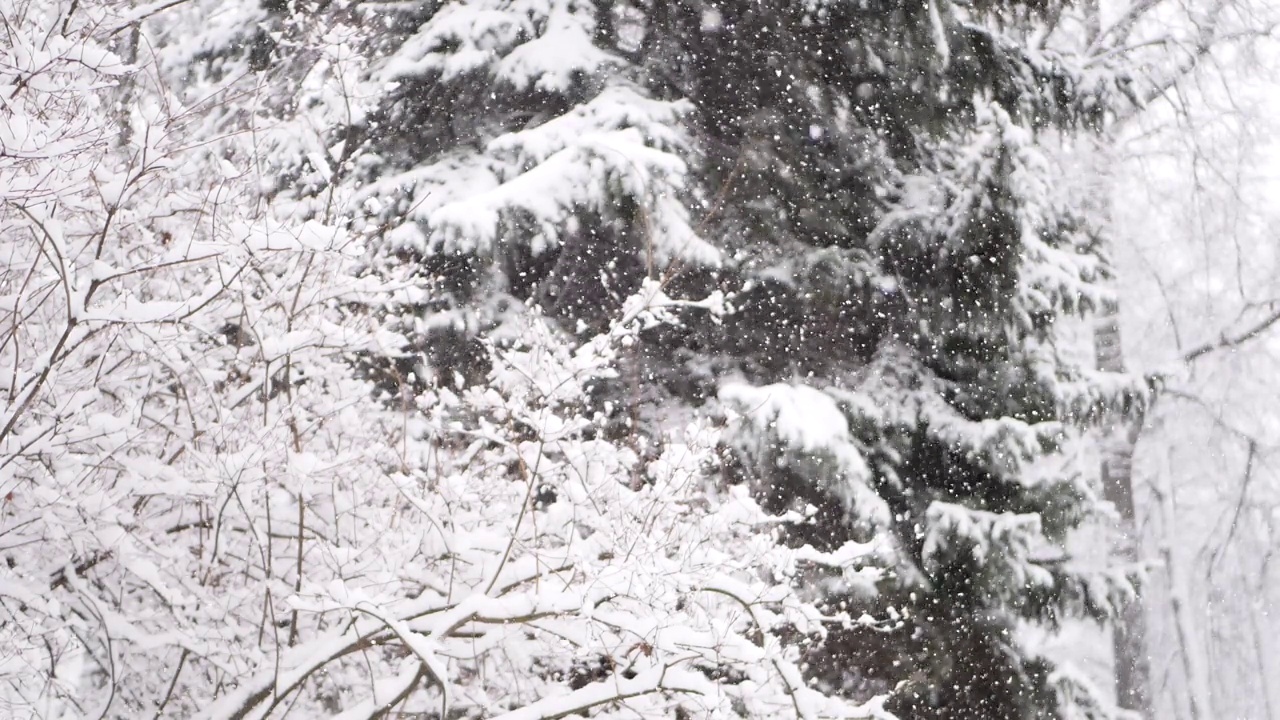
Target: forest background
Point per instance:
(532, 358)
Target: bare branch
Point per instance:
(1231, 342)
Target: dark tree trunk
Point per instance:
(1132, 665)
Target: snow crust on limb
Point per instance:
(809, 422)
(616, 142)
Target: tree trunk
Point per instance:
(1132, 665)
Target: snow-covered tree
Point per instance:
(1190, 55)
(1193, 236)
(870, 183)
(212, 507)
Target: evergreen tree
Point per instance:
(887, 190)
(871, 183)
